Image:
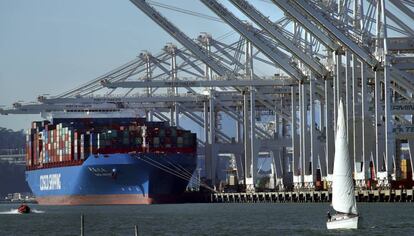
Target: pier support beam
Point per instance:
(207, 150)
(250, 142)
(248, 175)
(212, 138)
(296, 148)
(311, 157)
(172, 50)
(148, 77)
(329, 129)
(388, 94)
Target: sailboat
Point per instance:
(343, 197)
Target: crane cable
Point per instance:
(188, 12)
(176, 173)
(95, 84)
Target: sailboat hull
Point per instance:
(343, 222)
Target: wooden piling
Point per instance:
(82, 226)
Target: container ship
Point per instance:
(99, 161)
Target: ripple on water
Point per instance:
(204, 219)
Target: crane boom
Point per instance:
(200, 83)
(318, 17)
(256, 38)
(289, 9)
(181, 37)
(275, 31)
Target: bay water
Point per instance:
(203, 219)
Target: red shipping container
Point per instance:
(72, 149)
(61, 144)
(35, 149)
(51, 146)
(27, 155)
(54, 152)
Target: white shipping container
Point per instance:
(82, 147)
(60, 155)
(98, 141)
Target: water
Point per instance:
(203, 219)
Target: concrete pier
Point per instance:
(388, 195)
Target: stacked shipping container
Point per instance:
(70, 141)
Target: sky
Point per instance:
(50, 46)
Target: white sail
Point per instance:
(343, 199)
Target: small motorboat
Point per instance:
(23, 209)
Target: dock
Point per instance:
(386, 195)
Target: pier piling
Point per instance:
(136, 230)
(82, 225)
(384, 195)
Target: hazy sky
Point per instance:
(50, 46)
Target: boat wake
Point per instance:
(37, 211)
(11, 212)
(16, 212)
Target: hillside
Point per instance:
(10, 139)
(12, 177)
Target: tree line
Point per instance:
(10, 139)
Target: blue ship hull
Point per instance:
(143, 178)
